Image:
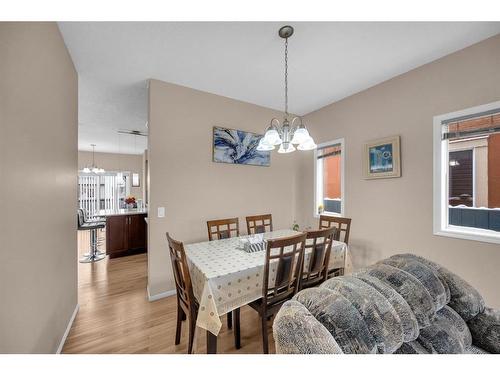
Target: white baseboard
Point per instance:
(158, 296)
(70, 323)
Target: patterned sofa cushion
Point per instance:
(464, 299)
(475, 350)
(380, 316)
(296, 331)
(485, 329)
(409, 323)
(448, 334)
(412, 347)
(426, 275)
(412, 290)
(340, 318)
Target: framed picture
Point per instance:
(382, 158)
(238, 147)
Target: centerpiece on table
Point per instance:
(131, 202)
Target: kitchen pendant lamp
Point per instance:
(93, 168)
(286, 135)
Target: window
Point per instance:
(102, 192)
(136, 182)
(467, 174)
(329, 178)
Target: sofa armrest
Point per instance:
(297, 331)
(485, 330)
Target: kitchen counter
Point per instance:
(127, 211)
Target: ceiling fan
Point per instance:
(132, 132)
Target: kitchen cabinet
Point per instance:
(125, 234)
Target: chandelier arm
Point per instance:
(293, 121)
(275, 119)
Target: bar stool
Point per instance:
(94, 255)
(93, 220)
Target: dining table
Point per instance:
(225, 277)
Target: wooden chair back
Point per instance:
(284, 258)
(259, 224)
(343, 225)
(182, 277)
(224, 228)
(320, 244)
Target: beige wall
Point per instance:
(194, 189)
(395, 215)
(116, 163)
(38, 169)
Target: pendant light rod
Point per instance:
(93, 155)
(286, 78)
(286, 32)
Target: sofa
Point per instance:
(404, 304)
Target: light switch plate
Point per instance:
(161, 211)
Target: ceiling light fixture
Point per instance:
(93, 168)
(286, 135)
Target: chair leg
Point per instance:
(229, 320)
(237, 333)
(265, 344)
(180, 313)
(192, 327)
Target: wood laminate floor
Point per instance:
(115, 315)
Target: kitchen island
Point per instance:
(126, 231)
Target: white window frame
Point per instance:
(440, 182)
(317, 189)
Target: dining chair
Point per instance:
(187, 306)
(281, 278)
(343, 225)
(316, 270)
(223, 228)
(219, 230)
(259, 224)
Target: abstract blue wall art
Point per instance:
(238, 147)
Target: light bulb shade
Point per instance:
(95, 170)
(264, 146)
(272, 136)
(286, 148)
(101, 170)
(300, 136)
(86, 170)
(307, 145)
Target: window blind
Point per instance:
(478, 124)
(97, 193)
(326, 151)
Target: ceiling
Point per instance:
(328, 61)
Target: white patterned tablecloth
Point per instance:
(225, 277)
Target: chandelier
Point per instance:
(93, 168)
(287, 134)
